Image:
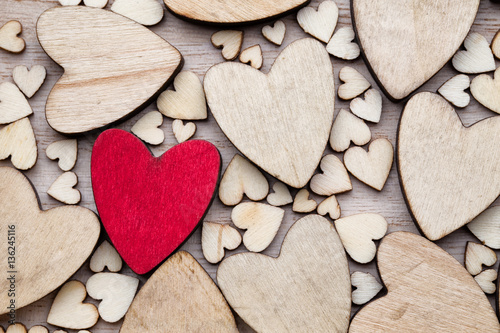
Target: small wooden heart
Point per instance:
(366, 286)
(281, 195)
(342, 44)
(453, 90)
(486, 280)
(13, 105)
(477, 57)
(62, 189)
(486, 227)
(17, 140)
(64, 150)
(105, 256)
(29, 81)
(477, 255)
(216, 237)
(370, 108)
(354, 83)
(183, 132)
(329, 206)
(321, 23)
(302, 203)
(346, 128)
(485, 90)
(229, 41)
(276, 33)
(147, 128)
(334, 178)
(252, 56)
(8, 37)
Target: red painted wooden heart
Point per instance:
(150, 205)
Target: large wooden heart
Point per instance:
(428, 291)
(406, 42)
(113, 66)
(282, 120)
(150, 205)
(232, 11)
(449, 173)
(306, 289)
(40, 249)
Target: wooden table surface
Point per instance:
(193, 41)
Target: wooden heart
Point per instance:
(13, 104)
(49, 246)
(399, 47)
(307, 288)
(112, 66)
(105, 256)
(179, 297)
(288, 142)
(66, 151)
(9, 40)
(18, 141)
(449, 173)
(226, 12)
(146, 12)
(29, 81)
(486, 227)
(164, 203)
(216, 237)
(428, 291)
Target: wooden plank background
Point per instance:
(194, 43)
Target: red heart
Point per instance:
(151, 205)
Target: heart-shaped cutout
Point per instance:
(366, 286)
(230, 12)
(29, 81)
(68, 309)
(477, 57)
(400, 49)
(287, 143)
(281, 195)
(369, 108)
(354, 83)
(486, 227)
(13, 105)
(71, 240)
(485, 90)
(334, 178)
(62, 189)
(8, 37)
(242, 177)
(17, 140)
(116, 291)
(96, 87)
(486, 280)
(105, 256)
(342, 44)
(477, 255)
(260, 221)
(302, 203)
(306, 287)
(64, 150)
(428, 290)
(147, 128)
(276, 33)
(252, 56)
(329, 206)
(453, 90)
(321, 23)
(346, 128)
(229, 41)
(449, 173)
(216, 237)
(162, 206)
(183, 132)
(181, 297)
(145, 12)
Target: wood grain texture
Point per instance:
(477, 255)
(305, 289)
(147, 129)
(29, 81)
(485, 90)
(276, 33)
(366, 286)
(477, 56)
(428, 291)
(216, 237)
(287, 143)
(104, 79)
(13, 105)
(145, 12)
(49, 246)
(65, 151)
(9, 40)
(17, 141)
(348, 128)
(319, 23)
(179, 297)
(62, 189)
(486, 227)
(453, 90)
(407, 42)
(449, 173)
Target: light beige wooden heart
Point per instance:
(9, 41)
(355, 83)
(495, 45)
(62, 189)
(230, 41)
(181, 297)
(485, 90)
(64, 150)
(105, 256)
(486, 280)
(449, 173)
(288, 142)
(369, 108)
(366, 286)
(187, 101)
(230, 12)
(477, 57)
(342, 44)
(486, 227)
(252, 56)
(242, 177)
(13, 105)
(145, 12)
(477, 255)
(96, 3)
(17, 140)
(281, 195)
(306, 288)
(329, 206)
(147, 128)
(372, 167)
(68, 309)
(260, 221)
(215, 237)
(334, 178)
(453, 90)
(116, 291)
(400, 49)
(50, 247)
(38, 329)
(302, 203)
(99, 87)
(276, 33)
(183, 132)
(428, 291)
(348, 128)
(20, 328)
(29, 81)
(321, 23)
(357, 233)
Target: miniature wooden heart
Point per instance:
(449, 174)
(366, 285)
(398, 45)
(183, 132)
(9, 40)
(288, 142)
(18, 141)
(307, 288)
(485, 90)
(334, 178)
(179, 297)
(486, 227)
(477, 56)
(164, 203)
(342, 44)
(112, 66)
(49, 246)
(302, 203)
(216, 237)
(64, 150)
(355, 83)
(13, 104)
(346, 128)
(276, 33)
(369, 108)
(232, 11)
(486, 280)
(229, 41)
(147, 128)
(329, 206)
(453, 90)
(477, 255)
(105, 256)
(62, 189)
(321, 23)
(252, 56)
(281, 195)
(29, 81)
(428, 291)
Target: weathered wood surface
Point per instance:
(193, 42)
